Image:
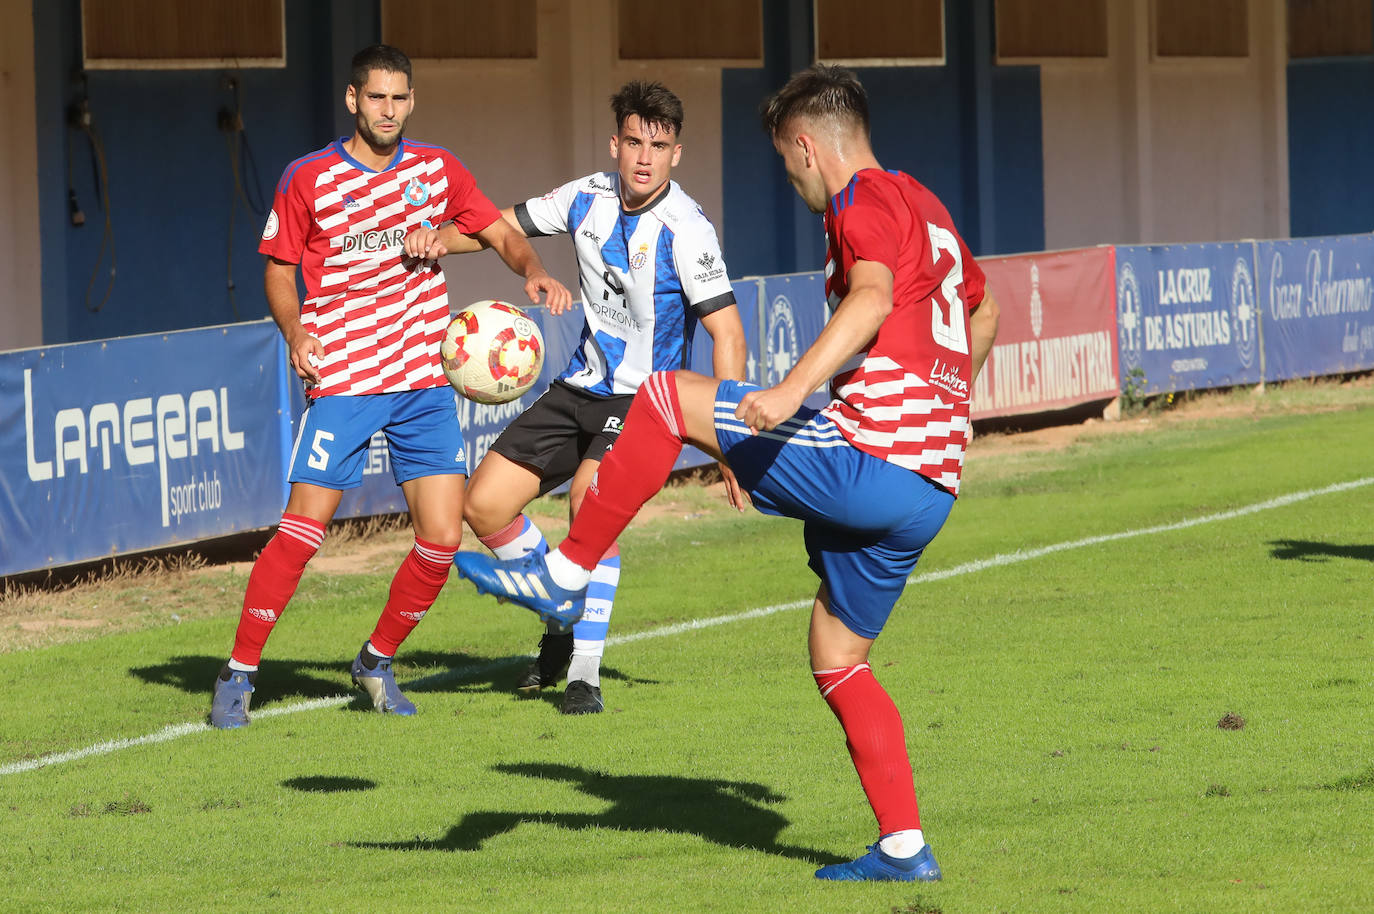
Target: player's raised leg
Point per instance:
(670, 409)
(498, 492)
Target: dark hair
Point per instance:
(379, 57)
(652, 102)
(820, 91)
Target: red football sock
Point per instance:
(272, 582)
(633, 471)
(413, 592)
(877, 744)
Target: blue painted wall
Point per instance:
(967, 130)
(1331, 146)
(170, 181)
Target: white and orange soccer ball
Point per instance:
(492, 352)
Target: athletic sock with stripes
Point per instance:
(413, 591)
(271, 584)
(589, 634)
(632, 472)
(518, 538)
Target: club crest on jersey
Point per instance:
(269, 231)
(417, 192)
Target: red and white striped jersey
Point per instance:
(380, 316)
(905, 396)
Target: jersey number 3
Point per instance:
(947, 324)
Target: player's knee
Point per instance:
(442, 536)
(658, 398)
(485, 515)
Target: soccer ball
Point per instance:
(492, 352)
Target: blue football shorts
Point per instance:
(421, 429)
(866, 521)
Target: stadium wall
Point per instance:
(21, 321)
(170, 183)
(1331, 145)
(1142, 149)
(968, 130)
(1038, 154)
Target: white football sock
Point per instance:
(565, 572)
(907, 843)
(528, 540)
(241, 667)
(586, 667)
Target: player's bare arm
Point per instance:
(855, 322)
(729, 351)
(279, 282)
(511, 245)
(433, 243)
(982, 328)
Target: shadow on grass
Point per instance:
(1308, 551)
(728, 813)
(325, 783)
(277, 678)
(283, 678)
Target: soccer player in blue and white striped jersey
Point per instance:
(650, 268)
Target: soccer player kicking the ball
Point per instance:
(366, 342)
(873, 474)
(650, 267)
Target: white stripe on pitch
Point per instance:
(1009, 558)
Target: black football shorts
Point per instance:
(564, 427)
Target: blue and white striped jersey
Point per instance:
(647, 276)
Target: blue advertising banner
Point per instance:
(747, 301)
(131, 444)
(1316, 296)
(1186, 317)
(793, 315)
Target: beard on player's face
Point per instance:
(379, 140)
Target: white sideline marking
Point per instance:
(176, 731)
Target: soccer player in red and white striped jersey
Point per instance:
(366, 343)
(873, 474)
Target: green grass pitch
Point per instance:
(1062, 708)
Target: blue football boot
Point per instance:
(229, 707)
(381, 686)
(524, 581)
(876, 866)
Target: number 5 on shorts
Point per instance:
(319, 457)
